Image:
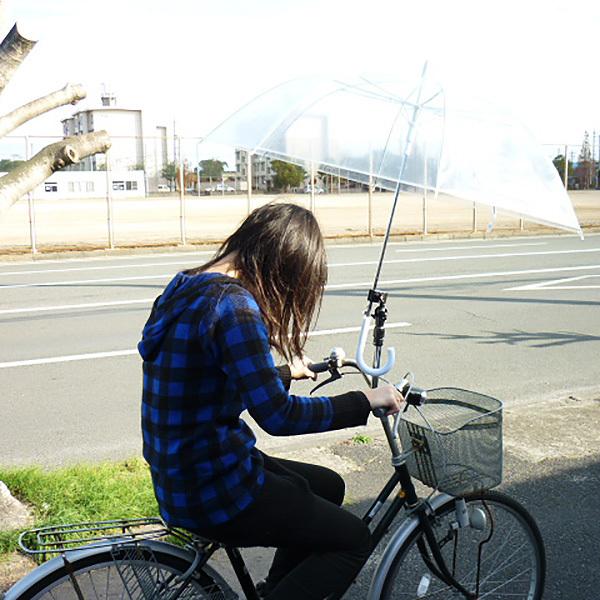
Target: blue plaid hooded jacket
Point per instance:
(206, 360)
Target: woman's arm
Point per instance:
(242, 347)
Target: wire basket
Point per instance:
(454, 441)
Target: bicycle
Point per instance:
(463, 541)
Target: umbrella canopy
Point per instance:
(403, 132)
(411, 132)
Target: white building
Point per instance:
(262, 173)
(135, 145)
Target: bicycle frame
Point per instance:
(406, 496)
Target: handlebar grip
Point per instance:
(379, 412)
(320, 367)
(415, 396)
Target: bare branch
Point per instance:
(70, 94)
(71, 150)
(13, 51)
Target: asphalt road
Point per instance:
(516, 318)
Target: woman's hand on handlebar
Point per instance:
(299, 369)
(386, 397)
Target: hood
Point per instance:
(181, 292)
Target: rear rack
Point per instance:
(56, 539)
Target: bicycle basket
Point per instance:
(455, 441)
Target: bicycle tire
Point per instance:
(506, 572)
(100, 577)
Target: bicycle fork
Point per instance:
(438, 565)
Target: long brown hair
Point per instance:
(279, 255)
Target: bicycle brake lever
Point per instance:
(335, 375)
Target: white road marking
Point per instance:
(466, 257)
(83, 281)
(146, 265)
(104, 268)
(335, 265)
(485, 246)
(59, 261)
(341, 286)
(354, 329)
(556, 284)
(334, 286)
(116, 353)
(32, 309)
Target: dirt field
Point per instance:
(70, 224)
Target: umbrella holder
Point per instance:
(454, 441)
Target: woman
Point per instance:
(207, 357)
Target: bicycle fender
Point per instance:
(400, 536)
(56, 563)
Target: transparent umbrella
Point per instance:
(403, 132)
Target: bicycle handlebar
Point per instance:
(413, 395)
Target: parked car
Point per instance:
(220, 187)
(162, 187)
(318, 189)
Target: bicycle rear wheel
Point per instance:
(144, 571)
(511, 564)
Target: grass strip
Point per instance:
(80, 493)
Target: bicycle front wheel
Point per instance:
(499, 555)
(140, 571)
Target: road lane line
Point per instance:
(59, 261)
(555, 284)
(466, 257)
(335, 265)
(485, 246)
(32, 309)
(145, 265)
(341, 286)
(13, 286)
(103, 268)
(334, 286)
(116, 353)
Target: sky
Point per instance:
(196, 61)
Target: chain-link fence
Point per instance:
(150, 191)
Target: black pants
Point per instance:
(320, 546)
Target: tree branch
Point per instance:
(13, 51)
(52, 158)
(70, 94)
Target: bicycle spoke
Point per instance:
(89, 574)
(501, 585)
(510, 564)
(473, 571)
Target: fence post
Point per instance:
(425, 183)
(248, 182)
(370, 205)
(370, 195)
(312, 187)
(181, 196)
(566, 173)
(474, 218)
(109, 202)
(31, 207)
